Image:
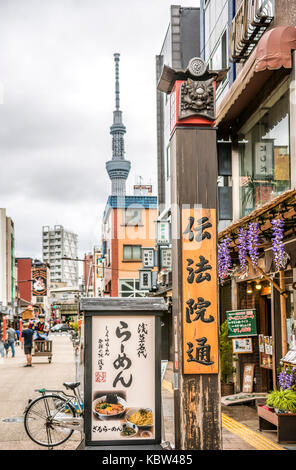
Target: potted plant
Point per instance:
(283, 401)
(75, 330)
(226, 360)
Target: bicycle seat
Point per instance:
(71, 385)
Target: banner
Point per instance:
(39, 286)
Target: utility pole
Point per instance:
(193, 151)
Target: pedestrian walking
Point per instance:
(2, 349)
(18, 333)
(28, 334)
(11, 336)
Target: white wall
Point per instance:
(3, 273)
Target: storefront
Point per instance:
(257, 270)
(256, 118)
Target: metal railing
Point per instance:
(248, 25)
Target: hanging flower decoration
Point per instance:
(277, 242)
(224, 259)
(242, 248)
(287, 378)
(253, 242)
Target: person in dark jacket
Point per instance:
(28, 334)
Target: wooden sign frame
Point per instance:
(249, 371)
(237, 350)
(120, 309)
(200, 301)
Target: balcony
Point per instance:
(250, 22)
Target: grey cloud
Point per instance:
(57, 72)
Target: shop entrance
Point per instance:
(265, 342)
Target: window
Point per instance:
(265, 155)
(130, 288)
(133, 216)
(131, 252)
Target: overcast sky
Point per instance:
(57, 93)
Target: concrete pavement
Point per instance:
(18, 384)
(239, 423)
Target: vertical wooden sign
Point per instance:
(199, 260)
(193, 159)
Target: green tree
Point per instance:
(226, 354)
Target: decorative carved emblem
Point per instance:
(197, 67)
(197, 98)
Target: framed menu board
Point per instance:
(241, 323)
(122, 371)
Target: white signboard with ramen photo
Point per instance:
(123, 378)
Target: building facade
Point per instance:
(255, 42)
(59, 250)
(129, 226)
(181, 43)
(7, 265)
(128, 221)
(33, 286)
(257, 155)
(93, 273)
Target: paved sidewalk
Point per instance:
(239, 423)
(18, 384)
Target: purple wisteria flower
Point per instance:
(287, 379)
(277, 242)
(253, 242)
(242, 248)
(224, 259)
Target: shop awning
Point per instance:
(274, 49)
(272, 57)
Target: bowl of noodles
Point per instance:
(141, 417)
(109, 407)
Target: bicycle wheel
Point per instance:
(40, 422)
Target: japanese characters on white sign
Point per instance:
(123, 378)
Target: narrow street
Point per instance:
(239, 423)
(18, 385)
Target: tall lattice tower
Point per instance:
(118, 168)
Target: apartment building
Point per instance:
(7, 265)
(60, 249)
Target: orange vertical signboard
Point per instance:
(199, 282)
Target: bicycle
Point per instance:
(46, 418)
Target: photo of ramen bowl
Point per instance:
(109, 407)
(141, 417)
(129, 430)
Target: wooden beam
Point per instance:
(268, 278)
(283, 315)
(197, 406)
